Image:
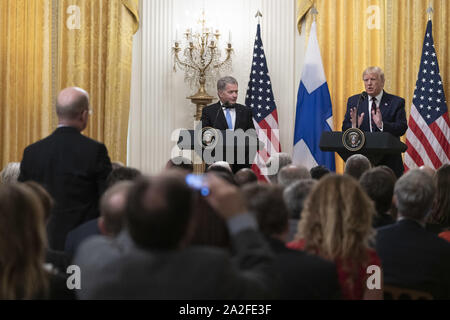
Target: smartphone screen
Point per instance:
(198, 182)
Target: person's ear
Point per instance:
(101, 226)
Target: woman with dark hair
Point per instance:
(439, 218)
(22, 247)
(336, 225)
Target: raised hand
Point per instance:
(377, 117)
(353, 117)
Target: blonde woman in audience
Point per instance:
(10, 173)
(336, 224)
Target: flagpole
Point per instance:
(430, 12)
(314, 12)
(258, 15)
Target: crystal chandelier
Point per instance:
(201, 58)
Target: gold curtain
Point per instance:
(94, 52)
(355, 34)
(25, 70)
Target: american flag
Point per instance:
(260, 99)
(428, 135)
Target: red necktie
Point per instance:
(374, 109)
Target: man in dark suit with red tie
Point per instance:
(227, 114)
(378, 111)
(72, 167)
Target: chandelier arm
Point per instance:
(184, 64)
(228, 58)
(210, 60)
(197, 67)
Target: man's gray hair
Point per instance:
(292, 173)
(414, 194)
(295, 196)
(376, 70)
(275, 163)
(222, 83)
(10, 173)
(356, 165)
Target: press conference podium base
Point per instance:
(377, 145)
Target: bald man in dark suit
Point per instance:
(72, 167)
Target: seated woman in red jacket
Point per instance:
(336, 224)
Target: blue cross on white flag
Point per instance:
(314, 114)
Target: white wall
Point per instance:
(158, 98)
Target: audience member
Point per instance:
(10, 173)
(116, 165)
(22, 248)
(73, 168)
(207, 227)
(318, 172)
(180, 163)
(245, 176)
(54, 259)
(428, 170)
(356, 165)
(413, 257)
(110, 222)
(379, 186)
(223, 170)
(294, 196)
(439, 218)
(336, 224)
(148, 260)
(303, 276)
(276, 162)
(393, 209)
(219, 165)
(292, 173)
(122, 174)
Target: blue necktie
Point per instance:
(229, 121)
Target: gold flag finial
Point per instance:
(430, 11)
(259, 16)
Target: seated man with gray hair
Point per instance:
(413, 257)
(277, 162)
(356, 165)
(294, 196)
(10, 173)
(291, 174)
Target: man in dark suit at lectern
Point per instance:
(375, 110)
(227, 114)
(72, 167)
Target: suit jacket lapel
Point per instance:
(384, 104)
(221, 123)
(237, 125)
